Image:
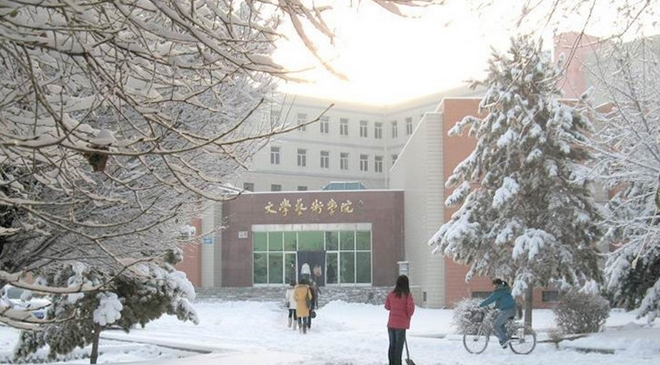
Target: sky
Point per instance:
(389, 58)
(256, 333)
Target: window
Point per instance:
(347, 255)
(325, 125)
(395, 129)
(409, 126)
(549, 296)
(364, 163)
(302, 157)
(394, 157)
(343, 127)
(325, 159)
(343, 161)
(274, 155)
(378, 163)
(301, 118)
(274, 117)
(302, 188)
(480, 294)
(378, 130)
(275, 187)
(248, 186)
(363, 128)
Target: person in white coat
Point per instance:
(291, 304)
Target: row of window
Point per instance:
(346, 256)
(324, 163)
(324, 126)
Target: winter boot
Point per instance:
(294, 325)
(290, 320)
(304, 328)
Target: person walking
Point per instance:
(303, 298)
(506, 307)
(314, 289)
(401, 305)
(291, 304)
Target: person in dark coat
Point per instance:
(400, 304)
(314, 289)
(506, 307)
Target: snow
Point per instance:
(249, 332)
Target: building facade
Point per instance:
(400, 154)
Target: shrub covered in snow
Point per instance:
(467, 315)
(579, 312)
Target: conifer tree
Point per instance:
(526, 212)
(142, 293)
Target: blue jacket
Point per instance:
(502, 298)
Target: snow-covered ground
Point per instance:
(244, 332)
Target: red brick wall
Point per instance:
(384, 209)
(191, 263)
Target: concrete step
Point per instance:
(349, 294)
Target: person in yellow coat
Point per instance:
(303, 297)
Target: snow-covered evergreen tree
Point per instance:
(526, 212)
(140, 294)
(628, 141)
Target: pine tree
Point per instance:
(526, 212)
(142, 293)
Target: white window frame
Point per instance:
(378, 163)
(302, 157)
(301, 119)
(364, 129)
(324, 125)
(343, 126)
(274, 155)
(378, 130)
(364, 163)
(409, 126)
(343, 161)
(325, 159)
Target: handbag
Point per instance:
(312, 314)
(408, 359)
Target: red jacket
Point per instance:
(401, 310)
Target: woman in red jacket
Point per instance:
(401, 305)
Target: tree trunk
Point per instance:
(94, 355)
(529, 298)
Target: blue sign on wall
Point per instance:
(208, 240)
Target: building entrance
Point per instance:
(311, 266)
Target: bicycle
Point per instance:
(522, 338)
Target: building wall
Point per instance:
(191, 257)
(290, 176)
(383, 209)
(418, 172)
(456, 149)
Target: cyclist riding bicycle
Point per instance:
(506, 306)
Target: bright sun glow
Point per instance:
(390, 59)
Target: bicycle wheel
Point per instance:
(477, 341)
(523, 340)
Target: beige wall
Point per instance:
(418, 172)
